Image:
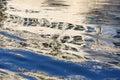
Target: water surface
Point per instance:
(14, 60)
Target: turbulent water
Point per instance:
(100, 12)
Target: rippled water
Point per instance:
(13, 60)
(11, 36)
(105, 12)
(98, 12)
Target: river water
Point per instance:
(97, 12)
(79, 11)
(19, 60)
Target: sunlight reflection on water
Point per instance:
(78, 11)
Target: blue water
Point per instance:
(11, 36)
(30, 61)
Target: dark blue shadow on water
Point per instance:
(30, 61)
(28, 77)
(11, 36)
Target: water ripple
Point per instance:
(11, 36)
(38, 63)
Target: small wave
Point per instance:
(31, 61)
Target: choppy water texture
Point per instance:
(12, 60)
